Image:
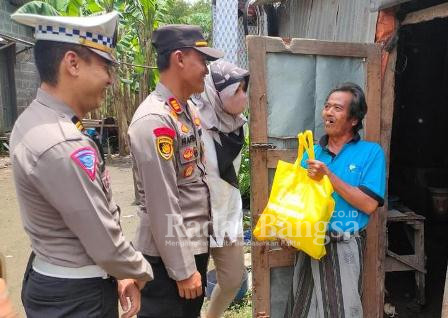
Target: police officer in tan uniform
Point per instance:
(165, 139)
(63, 187)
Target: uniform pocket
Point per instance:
(353, 174)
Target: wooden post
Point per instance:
(428, 14)
(376, 247)
(445, 298)
(259, 171)
(373, 289)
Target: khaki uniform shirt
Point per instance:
(64, 193)
(166, 146)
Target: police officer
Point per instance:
(165, 139)
(62, 184)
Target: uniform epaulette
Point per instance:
(78, 123)
(175, 105)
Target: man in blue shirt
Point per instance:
(332, 287)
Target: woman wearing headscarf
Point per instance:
(220, 108)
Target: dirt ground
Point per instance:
(14, 243)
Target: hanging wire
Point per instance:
(137, 65)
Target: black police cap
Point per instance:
(176, 36)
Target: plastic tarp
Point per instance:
(297, 86)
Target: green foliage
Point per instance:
(3, 150)
(241, 309)
(38, 7)
(138, 20)
(198, 13)
(201, 14)
(73, 7)
(65, 7)
(94, 7)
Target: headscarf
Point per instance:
(222, 75)
(221, 84)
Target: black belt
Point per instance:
(345, 236)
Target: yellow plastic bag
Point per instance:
(299, 207)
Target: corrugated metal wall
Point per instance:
(332, 20)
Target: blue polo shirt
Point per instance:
(361, 164)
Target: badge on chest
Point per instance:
(188, 171)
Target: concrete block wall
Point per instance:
(26, 76)
(27, 80)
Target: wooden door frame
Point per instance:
(263, 158)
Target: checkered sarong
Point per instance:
(331, 287)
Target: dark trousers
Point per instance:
(50, 297)
(160, 297)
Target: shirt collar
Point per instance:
(165, 94)
(163, 91)
(52, 102)
(323, 142)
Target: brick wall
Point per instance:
(26, 77)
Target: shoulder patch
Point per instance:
(87, 159)
(164, 142)
(164, 131)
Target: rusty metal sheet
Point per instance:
(376, 5)
(336, 20)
